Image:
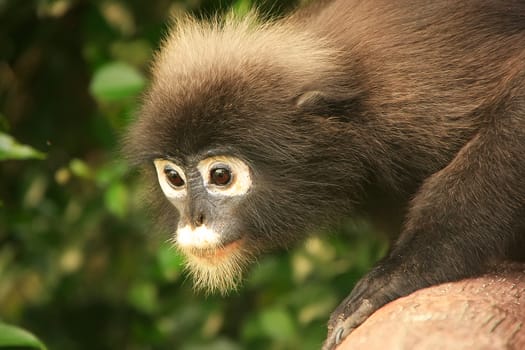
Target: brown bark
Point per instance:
(479, 313)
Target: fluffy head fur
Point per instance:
(247, 46)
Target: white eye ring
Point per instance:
(240, 176)
(171, 191)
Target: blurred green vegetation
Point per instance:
(11, 336)
(81, 265)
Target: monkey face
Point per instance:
(206, 194)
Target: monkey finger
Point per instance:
(345, 326)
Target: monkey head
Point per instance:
(242, 157)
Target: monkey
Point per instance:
(257, 132)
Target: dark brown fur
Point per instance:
(416, 118)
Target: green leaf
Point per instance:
(116, 199)
(11, 336)
(11, 149)
(80, 168)
(143, 296)
(116, 81)
(277, 324)
(242, 7)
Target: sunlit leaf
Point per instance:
(116, 199)
(80, 168)
(242, 7)
(11, 336)
(11, 149)
(116, 81)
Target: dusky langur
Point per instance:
(410, 113)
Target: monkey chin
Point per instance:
(218, 269)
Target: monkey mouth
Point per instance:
(217, 253)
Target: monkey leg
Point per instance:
(463, 218)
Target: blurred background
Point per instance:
(82, 266)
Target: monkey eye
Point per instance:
(220, 176)
(225, 175)
(173, 177)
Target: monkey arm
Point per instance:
(463, 218)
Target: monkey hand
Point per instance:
(369, 294)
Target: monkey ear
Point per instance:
(324, 104)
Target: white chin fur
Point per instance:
(200, 237)
(221, 276)
(221, 272)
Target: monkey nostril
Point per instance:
(199, 220)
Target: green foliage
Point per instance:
(11, 149)
(116, 81)
(81, 263)
(15, 337)
(242, 7)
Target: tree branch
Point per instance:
(487, 312)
